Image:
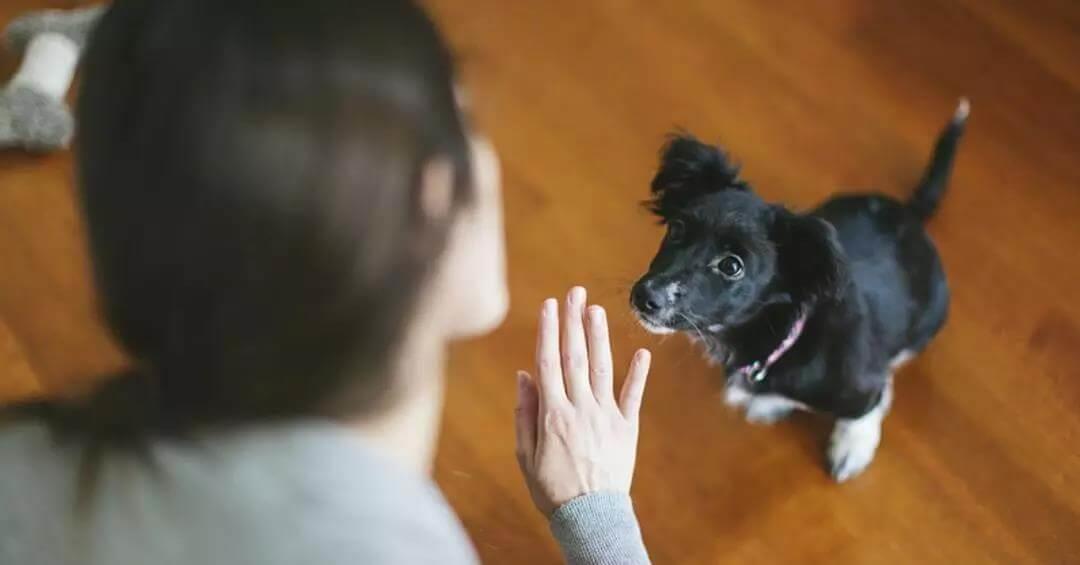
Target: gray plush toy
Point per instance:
(33, 113)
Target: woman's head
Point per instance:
(275, 192)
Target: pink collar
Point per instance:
(756, 371)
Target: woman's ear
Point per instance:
(437, 189)
(810, 258)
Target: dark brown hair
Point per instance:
(250, 176)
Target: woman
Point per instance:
(289, 219)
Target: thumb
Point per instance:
(525, 414)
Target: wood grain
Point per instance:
(981, 456)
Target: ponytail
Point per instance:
(124, 410)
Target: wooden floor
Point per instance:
(980, 461)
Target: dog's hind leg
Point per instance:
(854, 441)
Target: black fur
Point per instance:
(862, 265)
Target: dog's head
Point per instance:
(727, 254)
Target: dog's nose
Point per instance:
(646, 299)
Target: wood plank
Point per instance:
(980, 459)
(19, 382)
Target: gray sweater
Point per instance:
(308, 493)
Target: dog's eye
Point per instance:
(676, 231)
(730, 266)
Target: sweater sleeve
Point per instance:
(599, 529)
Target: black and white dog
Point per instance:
(805, 311)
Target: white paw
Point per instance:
(736, 396)
(766, 411)
(852, 447)
(901, 359)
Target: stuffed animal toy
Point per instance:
(33, 113)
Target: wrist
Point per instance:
(598, 524)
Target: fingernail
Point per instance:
(597, 313)
(577, 295)
(525, 383)
(550, 307)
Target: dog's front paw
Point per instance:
(766, 411)
(852, 447)
(736, 397)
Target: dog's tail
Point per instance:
(928, 194)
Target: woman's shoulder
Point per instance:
(282, 493)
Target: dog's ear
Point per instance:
(811, 262)
(688, 169)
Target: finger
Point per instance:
(600, 366)
(549, 367)
(525, 414)
(575, 355)
(634, 388)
